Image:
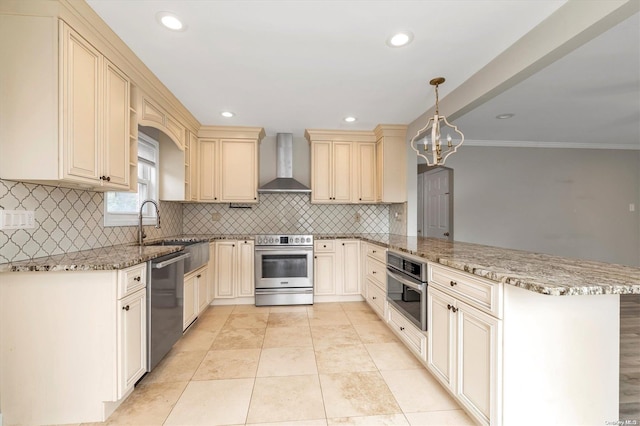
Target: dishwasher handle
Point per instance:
(168, 262)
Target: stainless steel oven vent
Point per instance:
(284, 181)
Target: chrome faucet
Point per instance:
(141, 234)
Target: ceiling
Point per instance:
(291, 65)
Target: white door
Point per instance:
(438, 204)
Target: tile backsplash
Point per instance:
(69, 220)
(285, 213)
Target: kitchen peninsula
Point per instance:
(557, 344)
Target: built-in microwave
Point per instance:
(407, 287)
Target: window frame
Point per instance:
(131, 219)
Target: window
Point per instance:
(121, 208)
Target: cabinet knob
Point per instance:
(452, 283)
(454, 309)
(125, 308)
(401, 328)
(374, 297)
(342, 243)
(199, 276)
(448, 307)
(374, 251)
(255, 198)
(374, 272)
(315, 257)
(215, 198)
(137, 278)
(446, 234)
(360, 199)
(108, 178)
(324, 246)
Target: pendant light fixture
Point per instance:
(433, 150)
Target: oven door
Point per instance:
(409, 297)
(283, 267)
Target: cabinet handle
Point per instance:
(401, 328)
(453, 283)
(374, 251)
(342, 243)
(108, 178)
(233, 245)
(315, 257)
(215, 198)
(137, 278)
(360, 199)
(255, 198)
(199, 276)
(324, 246)
(126, 308)
(373, 297)
(374, 272)
(454, 309)
(448, 307)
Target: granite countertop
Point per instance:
(540, 273)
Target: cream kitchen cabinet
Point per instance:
(82, 333)
(374, 277)
(234, 271)
(366, 183)
(391, 163)
(228, 164)
(336, 268)
(211, 266)
(195, 295)
(73, 121)
(464, 347)
(331, 163)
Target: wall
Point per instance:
(69, 220)
(286, 213)
(569, 202)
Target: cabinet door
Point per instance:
(193, 167)
(211, 268)
(202, 283)
(190, 301)
(245, 276)
(324, 273)
(321, 172)
(440, 323)
(132, 340)
(238, 171)
(342, 165)
(350, 267)
(81, 97)
(207, 150)
(477, 374)
(116, 127)
(366, 172)
(225, 269)
(380, 170)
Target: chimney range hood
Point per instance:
(284, 181)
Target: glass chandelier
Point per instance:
(433, 150)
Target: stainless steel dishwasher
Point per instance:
(165, 291)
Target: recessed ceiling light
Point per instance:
(350, 119)
(171, 21)
(504, 116)
(399, 39)
(227, 114)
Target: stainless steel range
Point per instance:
(284, 270)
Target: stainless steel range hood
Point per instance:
(284, 181)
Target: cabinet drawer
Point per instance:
(415, 340)
(324, 245)
(484, 294)
(132, 279)
(377, 252)
(376, 272)
(376, 297)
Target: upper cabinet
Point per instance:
(228, 164)
(69, 126)
(391, 161)
(358, 166)
(152, 114)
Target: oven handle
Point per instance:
(417, 287)
(284, 248)
(297, 290)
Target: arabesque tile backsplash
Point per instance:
(69, 220)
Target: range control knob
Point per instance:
(259, 240)
(296, 240)
(308, 239)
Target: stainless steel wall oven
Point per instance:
(407, 287)
(284, 270)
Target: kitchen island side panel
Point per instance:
(561, 358)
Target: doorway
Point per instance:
(435, 203)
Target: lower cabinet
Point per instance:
(464, 353)
(336, 268)
(411, 335)
(132, 340)
(375, 277)
(234, 269)
(195, 295)
(72, 343)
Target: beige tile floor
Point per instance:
(326, 364)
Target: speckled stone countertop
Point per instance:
(540, 273)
